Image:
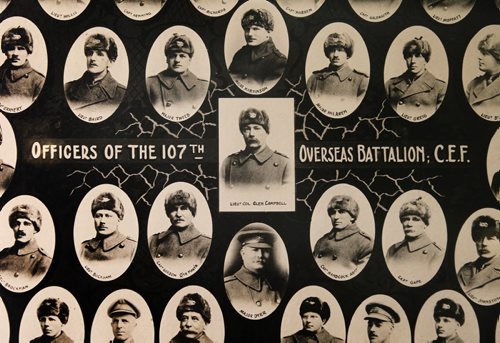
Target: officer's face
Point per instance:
(488, 246)
(488, 63)
(340, 218)
(255, 259)
(416, 63)
(24, 230)
(337, 56)
(123, 326)
(51, 325)
(312, 322)
(446, 327)
(255, 136)
(178, 62)
(17, 55)
(97, 61)
(106, 222)
(256, 35)
(413, 226)
(180, 216)
(378, 330)
(192, 324)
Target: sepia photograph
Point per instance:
(140, 9)
(64, 9)
(214, 8)
(8, 154)
(375, 10)
(300, 8)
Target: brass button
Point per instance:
(16, 274)
(268, 186)
(425, 252)
(258, 303)
(122, 245)
(180, 255)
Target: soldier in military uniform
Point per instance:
(177, 89)
(257, 166)
(449, 317)
(20, 84)
(481, 278)
(340, 86)
(96, 92)
(6, 170)
(182, 246)
(193, 313)
(417, 91)
(25, 259)
(123, 316)
(109, 243)
(483, 92)
(417, 255)
(259, 62)
(381, 320)
(249, 288)
(345, 247)
(53, 315)
(314, 313)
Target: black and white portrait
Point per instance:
(256, 46)
(375, 10)
(493, 165)
(337, 70)
(300, 8)
(8, 154)
(178, 73)
(106, 232)
(313, 314)
(256, 271)
(448, 11)
(96, 75)
(64, 9)
(123, 316)
(447, 317)
(414, 238)
(477, 257)
(179, 230)
(192, 315)
(23, 64)
(214, 8)
(4, 322)
(140, 9)
(379, 319)
(27, 243)
(480, 71)
(256, 151)
(416, 73)
(3, 5)
(52, 315)
(342, 232)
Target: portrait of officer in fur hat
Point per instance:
(193, 314)
(124, 315)
(53, 315)
(381, 321)
(449, 317)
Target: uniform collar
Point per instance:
(202, 339)
(487, 92)
(418, 243)
(322, 336)
(186, 235)
(339, 235)
(343, 72)
(130, 340)
(168, 78)
(29, 248)
(15, 74)
(107, 83)
(262, 50)
(108, 242)
(410, 85)
(489, 272)
(250, 279)
(261, 156)
(455, 339)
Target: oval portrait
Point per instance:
(24, 59)
(447, 317)
(379, 318)
(177, 73)
(479, 73)
(301, 8)
(140, 9)
(256, 46)
(448, 11)
(477, 257)
(256, 271)
(106, 232)
(342, 232)
(26, 249)
(337, 70)
(416, 73)
(4, 322)
(375, 11)
(179, 230)
(192, 315)
(313, 313)
(213, 8)
(64, 10)
(52, 315)
(8, 153)
(123, 316)
(493, 164)
(414, 238)
(96, 74)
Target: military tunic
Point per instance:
(304, 336)
(418, 96)
(267, 169)
(258, 64)
(130, 340)
(24, 261)
(6, 174)
(62, 338)
(112, 247)
(484, 98)
(179, 338)
(454, 339)
(481, 279)
(345, 248)
(21, 84)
